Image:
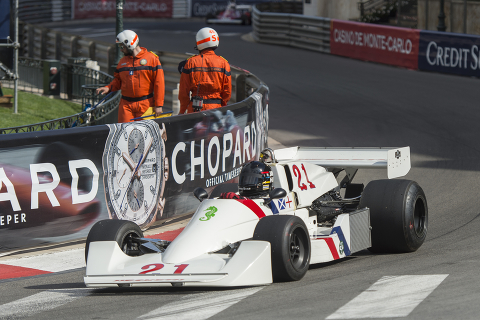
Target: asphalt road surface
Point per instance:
(321, 100)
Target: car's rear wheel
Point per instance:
(123, 232)
(398, 215)
(290, 245)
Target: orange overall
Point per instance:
(208, 76)
(142, 83)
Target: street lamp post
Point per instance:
(119, 28)
(441, 17)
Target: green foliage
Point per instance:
(34, 109)
(380, 15)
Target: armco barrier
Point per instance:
(404, 47)
(294, 30)
(56, 184)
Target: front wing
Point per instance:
(108, 266)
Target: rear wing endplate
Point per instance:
(396, 160)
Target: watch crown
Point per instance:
(166, 170)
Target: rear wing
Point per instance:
(396, 160)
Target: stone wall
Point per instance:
(454, 15)
(334, 9)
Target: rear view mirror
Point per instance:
(277, 193)
(200, 193)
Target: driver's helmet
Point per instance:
(128, 38)
(255, 179)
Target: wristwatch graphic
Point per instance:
(135, 170)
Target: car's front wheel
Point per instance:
(123, 232)
(290, 245)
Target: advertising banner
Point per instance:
(87, 9)
(369, 42)
(449, 53)
(202, 8)
(4, 19)
(54, 185)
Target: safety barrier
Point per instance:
(293, 30)
(404, 47)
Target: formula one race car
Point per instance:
(233, 14)
(303, 220)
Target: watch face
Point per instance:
(134, 170)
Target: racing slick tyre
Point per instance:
(398, 215)
(290, 244)
(121, 231)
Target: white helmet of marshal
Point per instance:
(207, 38)
(128, 38)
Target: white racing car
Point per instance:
(303, 220)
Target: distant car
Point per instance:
(233, 14)
(304, 220)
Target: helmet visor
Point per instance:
(249, 179)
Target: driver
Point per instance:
(255, 181)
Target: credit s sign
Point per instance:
(449, 53)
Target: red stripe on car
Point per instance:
(250, 204)
(332, 248)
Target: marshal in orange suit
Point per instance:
(139, 75)
(205, 81)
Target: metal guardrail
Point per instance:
(42, 43)
(296, 30)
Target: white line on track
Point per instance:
(52, 262)
(390, 297)
(200, 306)
(42, 301)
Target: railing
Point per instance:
(77, 83)
(73, 77)
(105, 113)
(294, 30)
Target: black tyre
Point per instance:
(398, 215)
(121, 231)
(290, 243)
(226, 187)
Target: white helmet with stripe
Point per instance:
(128, 38)
(207, 38)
